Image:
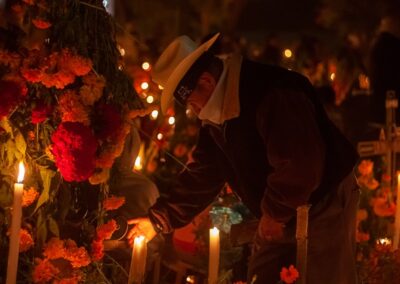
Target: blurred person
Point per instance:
(266, 134)
(352, 90)
(384, 64)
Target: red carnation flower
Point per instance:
(74, 149)
(10, 95)
(40, 112)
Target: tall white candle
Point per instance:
(138, 261)
(13, 251)
(397, 217)
(213, 263)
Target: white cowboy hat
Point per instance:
(173, 64)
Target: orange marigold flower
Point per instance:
(362, 237)
(31, 135)
(289, 275)
(365, 167)
(33, 75)
(97, 250)
(113, 148)
(41, 24)
(106, 158)
(44, 271)
(113, 202)
(105, 231)
(92, 90)
(78, 257)
(54, 249)
(25, 240)
(362, 215)
(99, 176)
(75, 64)
(368, 182)
(72, 109)
(58, 80)
(29, 196)
(382, 207)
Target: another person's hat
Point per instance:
(173, 64)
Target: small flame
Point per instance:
(214, 231)
(139, 241)
(140, 238)
(384, 241)
(21, 172)
(138, 163)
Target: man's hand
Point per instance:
(143, 227)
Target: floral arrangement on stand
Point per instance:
(66, 108)
(377, 261)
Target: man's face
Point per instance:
(202, 92)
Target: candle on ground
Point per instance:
(138, 261)
(13, 253)
(213, 263)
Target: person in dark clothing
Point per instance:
(384, 64)
(265, 133)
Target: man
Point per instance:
(264, 132)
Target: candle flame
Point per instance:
(139, 240)
(214, 231)
(21, 172)
(384, 241)
(138, 163)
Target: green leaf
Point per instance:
(53, 227)
(65, 204)
(10, 148)
(5, 124)
(41, 229)
(47, 176)
(20, 143)
(5, 195)
(2, 151)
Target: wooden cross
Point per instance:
(388, 145)
(302, 242)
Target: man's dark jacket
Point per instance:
(281, 152)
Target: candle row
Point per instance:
(139, 252)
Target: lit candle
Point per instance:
(138, 261)
(13, 252)
(384, 241)
(213, 263)
(397, 217)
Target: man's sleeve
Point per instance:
(295, 150)
(195, 189)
